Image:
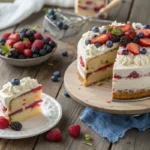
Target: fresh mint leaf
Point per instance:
(25, 39)
(45, 9)
(5, 49)
(50, 64)
(87, 139)
(116, 31)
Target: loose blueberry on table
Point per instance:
(25, 44)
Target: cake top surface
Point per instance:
(133, 41)
(16, 88)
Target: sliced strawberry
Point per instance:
(27, 53)
(145, 42)
(133, 48)
(19, 46)
(6, 35)
(131, 34)
(145, 31)
(10, 42)
(124, 28)
(38, 44)
(81, 62)
(14, 36)
(100, 39)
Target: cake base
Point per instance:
(99, 97)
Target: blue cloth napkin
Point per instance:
(114, 126)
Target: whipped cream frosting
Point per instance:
(10, 91)
(137, 25)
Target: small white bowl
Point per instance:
(27, 62)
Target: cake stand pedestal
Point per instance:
(95, 96)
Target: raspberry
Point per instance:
(74, 130)
(4, 123)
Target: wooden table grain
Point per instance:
(133, 140)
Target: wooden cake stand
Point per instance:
(97, 97)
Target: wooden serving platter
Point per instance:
(96, 97)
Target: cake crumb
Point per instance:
(99, 83)
(108, 101)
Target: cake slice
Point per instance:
(20, 99)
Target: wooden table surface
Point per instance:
(133, 10)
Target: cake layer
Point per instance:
(99, 75)
(25, 100)
(129, 94)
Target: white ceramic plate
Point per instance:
(51, 114)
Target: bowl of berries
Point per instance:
(26, 48)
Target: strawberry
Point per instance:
(81, 62)
(19, 46)
(38, 44)
(14, 36)
(54, 135)
(27, 53)
(145, 42)
(74, 130)
(6, 35)
(4, 123)
(124, 28)
(145, 31)
(10, 42)
(133, 48)
(37, 36)
(131, 34)
(100, 39)
(47, 37)
(27, 44)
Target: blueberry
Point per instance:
(2, 41)
(66, 94)
(125, 52)
(22, 36)
(103, 31)
(14, 53)
(65, 26)
(95, 29)
(54, 78)
(42, 52)
(16, 126)
(29, 33)
(59, 24)
(52, 44)
(15, 81)
(57, 74)
(97, 45)
(94, 35)
(109, 44)
(52, 17)
(36, 55)
(143, 51)
(21, 56)
(48, 48)
(87, 42)
(65, 53)
(146, 26)
(46, 41)
(140, 34)
(34, 50)
(51, 12)
(24, 30)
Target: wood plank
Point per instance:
(133, 140)
(121, 12)
(71, 113)
(143, 14)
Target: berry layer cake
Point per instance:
(20, 99)
(89, 7)
(129, 45)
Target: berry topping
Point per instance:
(16, 126)
(57, 74)
(124, 28)
(140, 35)
(19, 46)
(54, 135)
(146, 26)
(74, 130)
(109, 44)
(143, 51)
(27, 53)
(145, 42)
(130, 34)
(65, 53)
(95, 29)
(133, 48)
(38, 44)
(125, 52)
(117, 76)
(15, 82)
(14, 53)
(54, 78)
(66, 94)
(51, 12)
(103, 31)
(134, 74)
(97, 45)
(59, 24)
(14, 36)
(42, 52)
(37, 36)
(100, 39)
(6, 35)
(124, 41)
(136, 40)
(81, 62)
(4, 123)
(87, 42)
